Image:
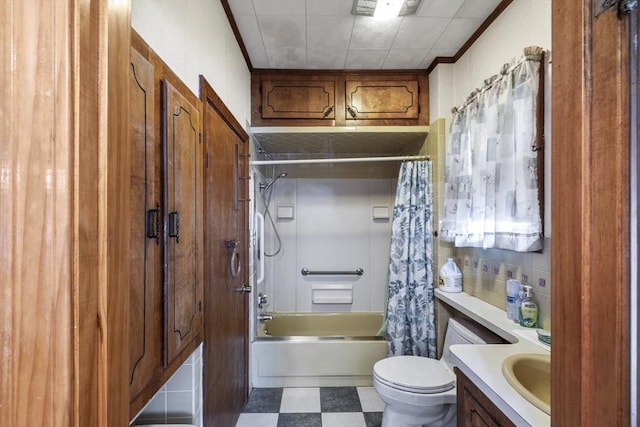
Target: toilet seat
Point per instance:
(414, 374)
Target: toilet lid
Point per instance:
(414, 374)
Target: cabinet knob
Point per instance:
(245, 289)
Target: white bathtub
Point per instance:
(317, 350)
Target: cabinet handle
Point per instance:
(234, 262)
(153, 224)
(174, 225)
(245, 289)
(326, 113)
(352, 112)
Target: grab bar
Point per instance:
(259, 225)
(357, 272)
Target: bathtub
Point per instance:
(317, 350)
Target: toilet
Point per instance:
(419, 391)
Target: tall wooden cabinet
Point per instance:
(182, 195)
(166, 285)
(145, 317)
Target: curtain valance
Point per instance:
(491, 179)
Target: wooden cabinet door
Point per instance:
(474, 408)
(182, 169)
(145, 320)
(381, 99)
(298, 99)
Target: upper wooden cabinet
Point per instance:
(339, 98)
(382, 99)
(298, 99)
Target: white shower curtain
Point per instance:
(491, 179)
(410, 308)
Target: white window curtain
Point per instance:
(491, 178)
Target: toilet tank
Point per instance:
(464, 331)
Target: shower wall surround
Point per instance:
(332, 229)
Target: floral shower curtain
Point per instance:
(410, 308)
(491, 185)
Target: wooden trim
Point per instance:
(116, 214)
(236, 33)
(475, 36)
(589, 267)
(208, 95)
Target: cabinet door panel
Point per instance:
(145, 333)
(183, 195)
(298, 99)
(382, 99)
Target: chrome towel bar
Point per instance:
(356, 272)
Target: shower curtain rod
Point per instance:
(338, 160)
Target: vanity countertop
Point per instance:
(483, 363)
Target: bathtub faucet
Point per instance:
(264, 317)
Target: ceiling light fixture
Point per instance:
(385, 9)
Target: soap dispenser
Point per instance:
(528, 309)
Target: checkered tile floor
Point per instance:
(312, 407)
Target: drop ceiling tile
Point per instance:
(330, 59)
(370, 33)
(404, 59)
(457, 33)
(287, 57)
(329, 32)
(440, 8)
(417, 31)
(279, 7)
(365, 59)
(282, 31)
(329, 7)
(477, 8)
(241, 7)
(252, 39)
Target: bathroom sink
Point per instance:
(530, 375)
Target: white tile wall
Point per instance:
(179, 401)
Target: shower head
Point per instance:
(265, 187)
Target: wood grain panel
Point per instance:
(382, 99)
(61, 365)
(182, 146)
(145, 335)
(298, 99)
(225, 376)
(37, 142)
(590, 220)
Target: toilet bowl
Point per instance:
(418, 391)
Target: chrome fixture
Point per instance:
(356, 272)
(265, 187)
(262, 299)
(264, 317)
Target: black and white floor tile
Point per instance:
(313, 407)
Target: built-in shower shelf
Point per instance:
(340, 142)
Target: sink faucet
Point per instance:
(264, 317)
